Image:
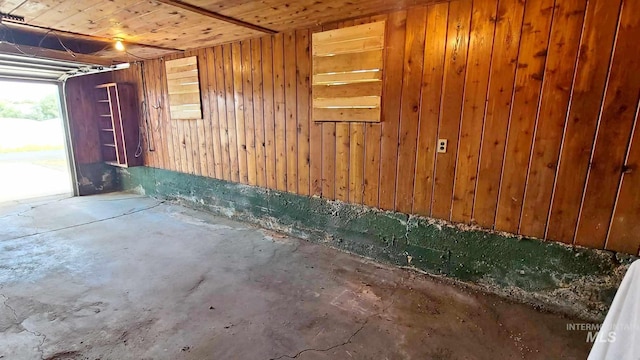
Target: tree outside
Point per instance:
(45, 108)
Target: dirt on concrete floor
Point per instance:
(121, 276)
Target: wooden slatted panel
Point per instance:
(347, 114)
(349, 40)
(184, 88)
(368, 60)
(347, 77)
(556, 91)
(601, 21)
(451, 109)
(505, 53)
(531, 62)
(357, 45)
(348, 33)
(363, 89)
(366, 102)
(614, 129)
(473, 106)
(434, 52)
(410, 107)
(345, 59)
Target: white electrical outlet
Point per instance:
(442, 146)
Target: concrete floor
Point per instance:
(126, 277)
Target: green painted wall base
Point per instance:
(577, 281)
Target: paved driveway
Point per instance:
(33, 174)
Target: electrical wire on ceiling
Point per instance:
(14, 43)
(7, 37)
(63, 45)
(44, 37)
(60, 41)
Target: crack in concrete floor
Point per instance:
(81, 224)
(174, 283)
(17, 322)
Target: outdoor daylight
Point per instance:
(32, 156)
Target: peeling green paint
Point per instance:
(548, 274)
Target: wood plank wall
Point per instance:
(538, 101)
(79, 93)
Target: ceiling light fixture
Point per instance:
(118, 45)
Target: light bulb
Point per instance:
(119, 45)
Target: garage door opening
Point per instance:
(33, 160)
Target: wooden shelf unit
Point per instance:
(118, 124)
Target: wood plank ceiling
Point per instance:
(170, 27)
